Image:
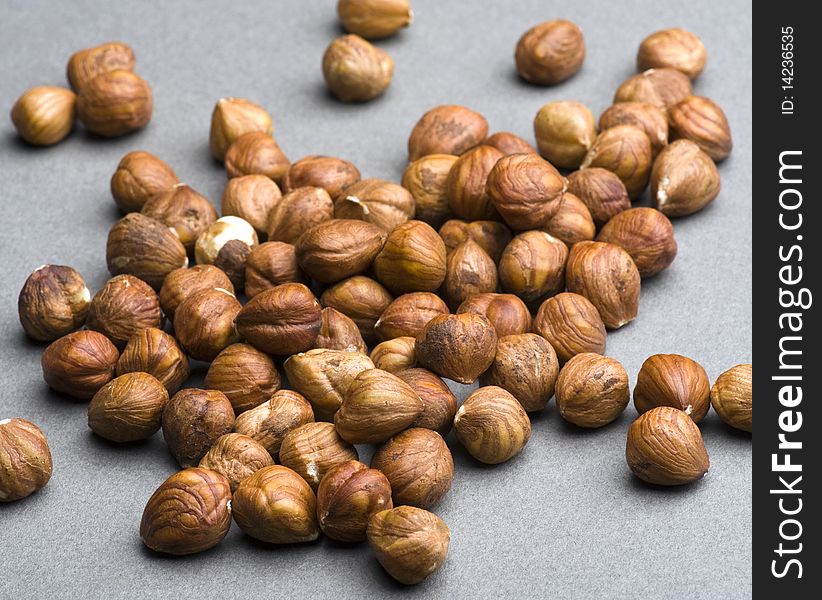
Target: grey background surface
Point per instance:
(565, 519)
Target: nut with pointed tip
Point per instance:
(139, 177)
(571, 324)
(602, 192)
(184, 210)
(460, 347)
(313, 449)
(84, 65)
(250, 197)
(25, 459)
(339, 248)
(565, 130)
(550, 52)
(380, 202)
(237, 457)
(647, 117)
(155, 352)
(673, 380)
(426, 178)
(438, 401)
(339, 332)
(128, 408)
(270, 264)
(506, 312)
(412, 259)
(245, 375)
(732, 395)
(674, 48)
(572, 222)
(592, 390)
(661, 87)
(509, 143)
(297, 212)
(644, 233)
(355, 70)
(269, 422)
(231, 118)
(533, 266)
(361, 299)
(469, 271)
(702, 121)
(408, 314)
(493, 236)
(44, 115)
(525, 365)
(395, 354)
(465, 187)
(492, 425)
(327, 172)
(193, 420)
(374, 19)
(115, 103)
(624, 150)
(184, 282)
(256, 153)
(446, 129)
(684, 179)
(53, 302)
(79, 364)
(204, 323)
(122, 307)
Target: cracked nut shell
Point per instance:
(673, 380)
(492, 425)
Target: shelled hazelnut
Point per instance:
(380, 202)
(702, 121)
(426, 178)
(408, 314)
(395, 354)
(313, 449)
(602, 192)
(526, 366)
(465, 186)
(469, 271)
(565, 131)
(572, 222)
(122, 307)
(269, 265)
(269, 422)
(53, 302)
(662, 87)
(139, 177)
(732, 395)
(79, 363)
(204, 323)
(674, 48)
(492, 425)
(250, 197)
(193, 420)
(237, 457)
(115, 103)
(624, 150)
(184, 210)
(509, 143)
(355, 70)
(592, 390)
(155, 352)
(374, 19)
(644, 233)
(533, 266)
(231, 118)
(571, 324)
(25, 459)
(673, 380)
(446, 129)
(245, 375)
(334, 250)
(360, 298)
(256, 153)
(298, 211)
(128, 408)
(339, 332)
(684, 179)
(493, 236)
(460, 347)
(184, 282)
(506, 312)
(412, 259)
(649, 118)
(550, 52)
(526, 190)
(44, 115)
(84, 65)
(438, 401)
(327, 172)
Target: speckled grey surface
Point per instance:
(565, 519)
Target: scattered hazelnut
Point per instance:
(661, 87)
(184, 210)
(674, 48)
(122, 307)
(493, 236)
(153, 351)
(647, 117)
(184, 282)
(438, 401)
(571, 324)
(245, 375)
(232, 117)
(408, 314)
(204, 323)
(492, 425)
(592, 390)
(115, 103)
(572, 222)
(356, 71)
(731, 397)
(251, 197)
(673, 380)
(25, 459)
(459, 347)
(469, 271)
(426, 178)
(269, 265)
(298, 211)
(339, 248)
(565, 131)
(446, 129)
(509, 143)
(85, 65)
(465, 186)
(624, 150)
(412, 259)
(128, 408)
(550, 52)
(684, 179)
(211, 242)
(506, 312)
(256, 153)
(139, 177)
(382, 203)
(533, 266)
(374, 19)
(79, 364)
(602, 192)
(54, 301)
(193, 420)
(702, 121)
(269, 422)
(313, 449)
(526, 190)
(237, 457)
(395, 354)
(44, 115)
(327, 172)
(644, 233)
(361, 299)
(339, 332)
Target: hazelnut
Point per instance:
(374, 19)
(193, 420)
(572, 222)
(665, 448)
(661, 87)
(644, 233)
(237, 457)
(509, 143)
(79, 364)
(140, 246)
(269, 265)
(506, 312)
(115, 103)
(339, 332)
(438, 401)
(122, 307)
(526, 366)
(153, 351)
(211, 242)
(550, 52)
(44, 115)
(565, 131)
(245, 375)
(703, 122)
(324, 376)
(684, 179)
(493, 236)
(533, 266)
(492, 425)
(526, 190)
(410, 543)
(673, 380)
(231, 118)
(190, 512)
(624, 150)
(361, 299)
(251, 197)
(231, 260)
(25, 459)
(426, 178)
(184, 282)
(674, 48)
(256, 153)
(395, 354)
(128, 408)
(412, 259)
(607, 276)
(592, 390)
(647, 117)
(139, 177)
(446, 129)
(382, 203)
(298, 211)
(731, 397)
(184, 210)
(376, 406)
(347, 497)
(602, 192)
(85, 65)
(356, 71)
(54, 301)
(339, 248)
(465, 186)
(418, 464)
(269, 422)
(327, 172)
(469, 271)
(459, 347)
(313, 449)
(408, 314)
(204, 323)
(571, 324)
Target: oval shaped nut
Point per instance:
(526, 190)
(376, 201)
(339, 332)
(138, 177)
(439, 402)
(732, 396)
(298, 211)
(269, 422)
(565, 131)
(339, 248)
(193, 420)
(684, 179)
(236, 456)
(408, 314)
(269, 265)
(460, 347)
(426, 178)
(356, 71)
(465, 186)
(231, 118)
(25, 459)
(572, 222)
(673, 380)
(184, 210)
(592, 390)
(412, 260)
(674, 48)
(245, 375)
(79, 364)
(550, 52)
(469, 271)
(492, 425)
(571, 324)
(182, 283)
(360, 298)
(328, 172)
(374, 19)
(493, 236)
(601, 191)
(124, 306)
(128, 408)
(313, 449)
(44, 115)
(204, 323)
(53, 302)
(189, 513)
(533, 266)
(256, 153)
(624, 150)
(115, 103)
(702, 121)
(665, 448)
(509, 143)
(395, 354)
(647, 117)
(644, 233)
(84, 65)
(446, 129)
(251, 198)
(506, 312)
(662, 87)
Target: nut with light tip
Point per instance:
(269, 422)
(122, 307)
(237, 457)
(571, 324)
(374, 19)
(412, 259)
(44, 115)
(250, 197)
(624, 150)
(328, 172)
(426, 178)
(115, 103)
(204, 323)
(469, 271)
(509, 143)
(339, 248)
(602, 192)
(592, 390)
(245, 375)
(231, 118)
(493, 236)
(211, 242)
(355, 70)
(183, 209)
(155, 352)
(506, 312)
(339, 332)
(79, 364)
(84, 65)
(193, 420)
(492, 425)
(446, 129)
(684, 179)
(297, 212)
(550, 52)
(565, 130)
(533, 266)
(526, 190)
(661, 87)
(360, 298)
(138, 178)
(465, 187)
(376, 201)
(313, 449)
(185, 282)
(408, 314)
(256, 153)
(644, 233)
(269, 265)
(460, 347)
(702, 121)
(53, 302)
(25, 459)
(572, 222)
(438, 401)
(675, 48)
(673, 380)
(732, 395)
(395, 354)
(525, 365)
(128, 408)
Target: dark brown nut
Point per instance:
(674, 48)
(347, 497)
(269, 265)
(231, 118)
(395, 354)
(204, 323)
(533, 266)
(155, 352)
(465, 186)
(565, 131)
(644, 233)
(647, 117)
(231, 260)
(438, 401)
(412, 259)
(25, 459)
(509, 143)
(571, 324)
(607, 276)
(601, 191)
(79, 364)
(54, 301)
(356, 71)
(684, 179)
(361, 299)
(269, 422)
(492, 425)
(313, 449)
(665, 448)
(410, 543)
(732, 395)
(426, 178)
(256, 153)
(193, 420)
(506, 312)
(592, 390)
(190, 512)
(122, 307)
(128, 408)
(85, 65)
(525, 365)
(624, 150)
(298, 211)
(673, 380)
(324, 376)
(182, 283)
(339, 248)
(572, 222)
(459, 347)
(115, 103)
(408, 314)
(491, 235)
(446, 129)
(44, 115)
(382, 203)
(245, 375)
(237, 457)
(374, 20)
(526, 190)
(211, 243)
(139, 177)
(702, 121)
(550, 52)
(419, 466)
(469, 271)
(281, 321)
(339, 332)
(184, 210)
(251, 197)
(327, 172)
(661, 87)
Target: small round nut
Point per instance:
(269, 422)
(571, 324)
(231, 118)
(84, 65)
(184, 210)
(465, 187)
(44, 115)
(661, 87)
(731, 397)
(426, 178)
(79, 364)
(356, 71)
(509, 143)
(674, 48)
(385, 204)
(115, 103)
(592, 390)
(128, 408)
(339, 332)
(572, 222)
(526, 366)
(313, 449)
(684, 179)
(245, 375)
(251, 197)
(673, 380)
(412, 259)
(647, 117)
(702, 121)
(155, 352)
(53, 302)
(138, 178)
(492, 425)
(469, 271)
(25, 459)
(122, 307)
(395, 354)
(360, 298)
(327, 172)
(237, 457)
(506, 312)
(184, 282)
(438, 401)
(550, 52)
(256, 153)
(204, 323)
(408, 314)
(644, 233)
(446, 129)
(216, 236)
(493, 236)
(565, 131)
(533, 266)
(624, 150)
(460, 347)
(193, 420)
(339, 248)
(269, 265)
(374, 19)
(297, 212)
(602, 192)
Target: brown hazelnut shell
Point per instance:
(492, 425)
(245, 375)
(702, 121)
(438, 401)
(79, 364)
(684, 179)
(374, 20)
(592, 390)
(269, 422)
(236, 456)
(674, 48)
(602, 192)
(408, 314)
(122, 307)
(661, 87)
(412, 259)
(327, 172)
(128, 408)
(565, 130)
(250, 197)
(25, 459)
(313, 449)
(426, 178)
(339, 248)
(571, 324)
(469, 271)
(673, 380)
(231, 118)
(140, 176)
(115, 103)
(339, 332)
(155, 352)
(44, 115)
(446, 129)
(649, 118)
(297, 212)
(644, 233)
(624, 150)
(493, 236)
(550, 52)
(204, 323)
(572, 222)
(533, 266)
(526, 190)
(355, 70)
(460, 347)
(193, 420)
(84, 65)
(507, 313)
(53, 302)
(382, 203)
(184, 210)
(732, 395)
(360, 298)
(184, 282)
(465, 186)
(525, 365)
(395, 354)
(508, 143)
(256, 153)
(269, 265)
